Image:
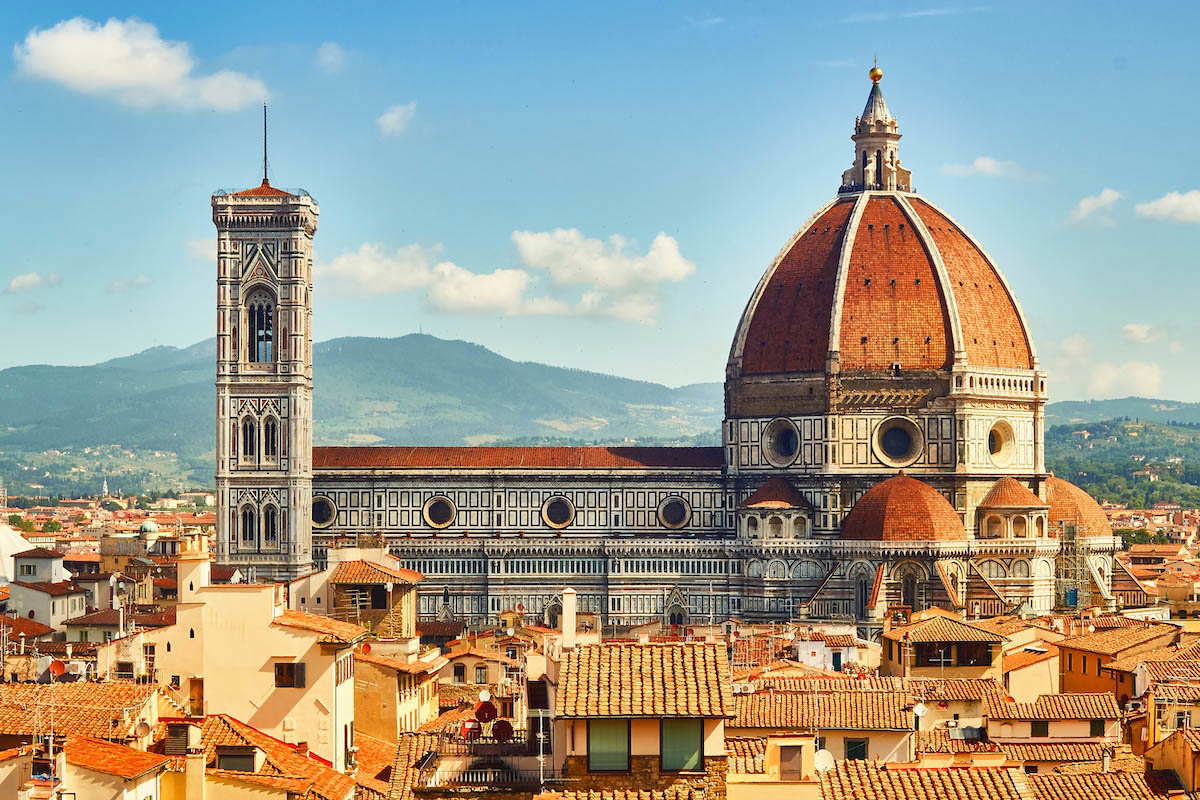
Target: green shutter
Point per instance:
(608, 745)
(682, 744)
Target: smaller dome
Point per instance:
(149, 526)
(903, 509)
(1011, 493)
(776, 493)
(1071, 504)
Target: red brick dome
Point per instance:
(903, 509)
(1011, 493)
(1071, 504)
(880, 278)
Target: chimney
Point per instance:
(1106, 756)
(302, 748)
(568, 619)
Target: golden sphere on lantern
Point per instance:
(875, 74)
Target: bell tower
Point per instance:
(264, 379)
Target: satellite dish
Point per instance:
(366, 648)
(486, 712)
(920, 709)
(502, 731)
(484, 695)
(511, 631)
(142, 729)
(823, 761)
(1091, 628)
(470, 729)
(57, 668)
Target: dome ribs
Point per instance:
(789, 325)
(903, 508)
(994, 332)
(892, 311)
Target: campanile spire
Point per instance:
(876, 147)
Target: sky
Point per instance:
(594, 185)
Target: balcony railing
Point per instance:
(519, 744)
(486, 777)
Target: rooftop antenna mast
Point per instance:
(264, 143)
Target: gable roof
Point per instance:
(362, 571)
(859, 780)
(109, 710)
(1118, 640)
(98, 755)
(20, 626)
(56, 589)
(39, 552)
(823, 710)
(1072, 705)
(678, 679)
(1107, 786)
(942, 629)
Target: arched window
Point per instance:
(861, 596)
(995, 527)
(271, 438)
(1020, 569)
(1041, 527)
(908, 591)
(249, 525)
(249, 438)
(775, 528)
(992, 569)
(260, 315)
(878, 169)
(752, 527)
(271, 525)
(1019, 527)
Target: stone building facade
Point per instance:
(882, 339)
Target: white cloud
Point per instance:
(705, 22)
(615, 283)
(988, 167)
(886, 16)
(1173, 206)
(1091, 204)
(1122, 380)
(1075, 347)
(201, 249)
(395, 120)
(331, 58)
(127, 284)
(29, 281)
(128, 61)
(1140, 332)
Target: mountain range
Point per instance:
(149, 416)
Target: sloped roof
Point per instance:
(333, 629)
(1067, 705)
(746, 754)
(942, 629)
(264, 189)
(20, 625)
(686, 679)
(362, 571)
(1117, 640)
(873, 780)
(334, 458)
(826, 710)
(98, 755)
(56, 589)
(407, 667)
(1107, 786)
(1070, 503)
(39, 553)
(1053, 751)
(101, 710)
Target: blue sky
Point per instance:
(597, 186)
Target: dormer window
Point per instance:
(237, 758)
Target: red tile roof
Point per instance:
(942, 629)
(98, 755)
(20, 625)
(847, 710)
(903, 509)
(262, 190)
(871, 780)
(39, 552)
(369, 572)
(102, 710)
(776, 493)
(57, 589)
(333, 629)
(1066, 705)
(1069, 502)
(1011, 493)
(339, 458)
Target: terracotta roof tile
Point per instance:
(871, 780)
(645, 680)
(370, 572)
(20, 625)
(333, 629)
(407, 667)
(746, 754)
(1069, 502)
(939, 740)
(98, 755)
(1011, 493)
(902, 508)
(825, 710)
(1106, 785)
(39, 552)
(263, 190)
(1072, 705)
(56, 589)
(1028, 657)
(776, 493)
(102, 710)
(1053, 751)
(1118, 640)
(942, 629)
(517, 457)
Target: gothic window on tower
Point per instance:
(271, 525)
(271, 438)
(260, 315)
(249, 525)
(249, 438)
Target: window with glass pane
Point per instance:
(682, 744)
(608, 745)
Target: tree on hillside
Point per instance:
(51, 526)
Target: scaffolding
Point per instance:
(1071, 568)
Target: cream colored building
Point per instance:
(236, 649)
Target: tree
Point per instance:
(109, 505)
(15, 520)
(51, 526)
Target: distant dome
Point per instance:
(1011, 493)
(1071, 504)
(903, 509)
(149, 526)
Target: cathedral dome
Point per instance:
(880, 280)
(1069, 503)
(903, 509)
(1011, 493)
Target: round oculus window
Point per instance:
(781, 442)
(898, 441)
(674, 512)
(439, 512)
(558, 512)
(324, 512)
(1000, 443)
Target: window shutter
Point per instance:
(300, 682)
